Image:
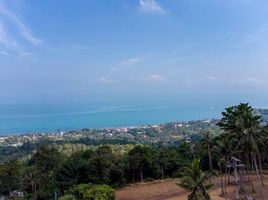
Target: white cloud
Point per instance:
(177, 50)
(132, 61)
(23, 29)
(202, 79)
(175, 60)
(156, 77)
(253, 81)
(210, 78)
(254, 37)
(151, 6)
(6, 40)
(106, 80)
(10, 47)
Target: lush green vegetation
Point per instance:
(196, 181)
(89, 192)
(169, 134)
(91, 173)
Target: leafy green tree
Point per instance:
(10, 176)
(161, 158)
(195, 180)
(243, 124)
(44, 163)
(169, 160)
(117, 173)
(100, 165)
(186, 152)
(70, 173)
(29, 180)
(140, 157)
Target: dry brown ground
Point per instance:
(169, 190)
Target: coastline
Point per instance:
(142, 125)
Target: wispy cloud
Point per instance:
(256, 36)
(156, 77)
(151, 6)
(252, 81)
(172, 60)
(135, 60)
(23, 29)
(131, 61)
(6, 40)
(106, 80)
(207, 78)
(10, 46)
(178, 50)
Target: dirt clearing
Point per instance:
(169, 190)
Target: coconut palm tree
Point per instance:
(243, 124)
(207, 143)
(196, 181)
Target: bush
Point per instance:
(100, 192)
(90, 192)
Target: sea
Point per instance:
(21, 118)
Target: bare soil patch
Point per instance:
(169, 190)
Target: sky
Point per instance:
(123, 49)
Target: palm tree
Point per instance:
(224, 148)
(243, 124)
(195, 180)
(207, 143)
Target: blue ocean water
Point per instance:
(41, 117)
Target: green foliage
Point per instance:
(74, 169)
(10, 174)
(90, 192)
(242, 125)
(140, 157)
(100, 165)
(195, 180)
(44, 163)
(69, 173)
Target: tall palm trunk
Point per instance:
(141, 173)
(222, 190)
(162, 171)
(210, 162)
(258, 175)
(133, 176)
(260, 165)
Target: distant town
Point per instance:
(162, 133)
(167, 134)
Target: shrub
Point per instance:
(90, 192)
(100, 192)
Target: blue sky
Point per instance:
(74, 50)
